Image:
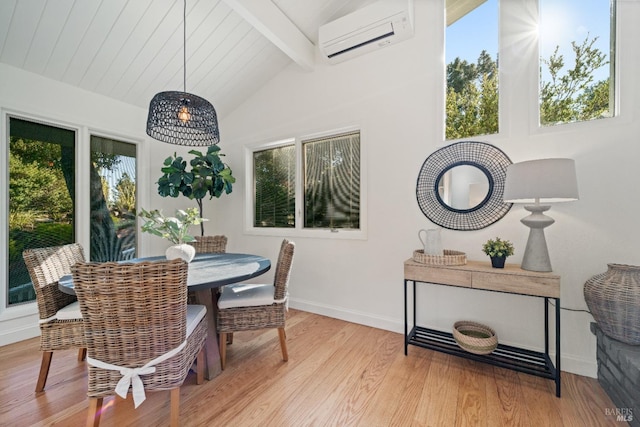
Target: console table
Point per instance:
(480, 275)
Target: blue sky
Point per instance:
(562, 21)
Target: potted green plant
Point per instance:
(208, 175)
(174, 228)
(498, 250)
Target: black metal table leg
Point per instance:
(557, 347)
(406, 319)
(414, 304)
(546, 326)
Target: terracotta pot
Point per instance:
(613, 297)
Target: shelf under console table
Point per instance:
(480, 275)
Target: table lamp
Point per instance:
(540, 181)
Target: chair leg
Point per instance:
(200, 367)
(230, 338)
(223, 348)
(82, 354)
(44, 370)
(283, 344)
(93, 415)
(175, 407)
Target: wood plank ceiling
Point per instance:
(131, 49)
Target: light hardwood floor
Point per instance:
(338, 374)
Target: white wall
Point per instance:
(396, 96)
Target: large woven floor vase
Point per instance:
(613, 297)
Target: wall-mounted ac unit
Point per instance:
(372, 27)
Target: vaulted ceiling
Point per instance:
(131, 49)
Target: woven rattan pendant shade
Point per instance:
(167, 121)
(182, 118)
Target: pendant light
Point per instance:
(183, 118)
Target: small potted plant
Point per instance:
(175, 229)
(498, 250)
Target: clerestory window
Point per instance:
(472, 68)
(577, 60)
(573, 44)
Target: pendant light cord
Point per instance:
(184, 47)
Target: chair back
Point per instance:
(283, 269)
(210, 244)
(133, 312)
(46, 266)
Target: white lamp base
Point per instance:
(536, 254)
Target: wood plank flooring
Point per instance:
(338, 374)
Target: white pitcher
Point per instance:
(432, 241)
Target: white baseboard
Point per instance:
(361, 318)
(569, 363)
(18, 334)
(586, 368)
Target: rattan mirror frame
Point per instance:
(486, 157)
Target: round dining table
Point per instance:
(206, 272)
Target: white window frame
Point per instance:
(25, 309)
(618, 115)
(23, 312)
(615, 78)
(141, 185)
(299, 230)
(502, 122)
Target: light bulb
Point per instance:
(184, 114)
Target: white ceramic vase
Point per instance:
(183, 251)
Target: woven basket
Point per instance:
(449, 257)
(475, 337)
(613, 297)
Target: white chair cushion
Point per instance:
(246, 295)
(69, 312)
(195, 313)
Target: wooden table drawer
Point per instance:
(517, 284)
(444, 276)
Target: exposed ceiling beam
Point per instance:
(456, 9)
(269, 20)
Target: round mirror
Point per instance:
(464, 188)
(461, 186)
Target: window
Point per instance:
(275, 179)
(113, 200)
(577, 62)
(332, 182)
(327, 197)
(41, 196)
(472, 68)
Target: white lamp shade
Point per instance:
(544, 180)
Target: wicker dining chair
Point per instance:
(60, 319)
(136, 317)
(245, 307)
(210, 244)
